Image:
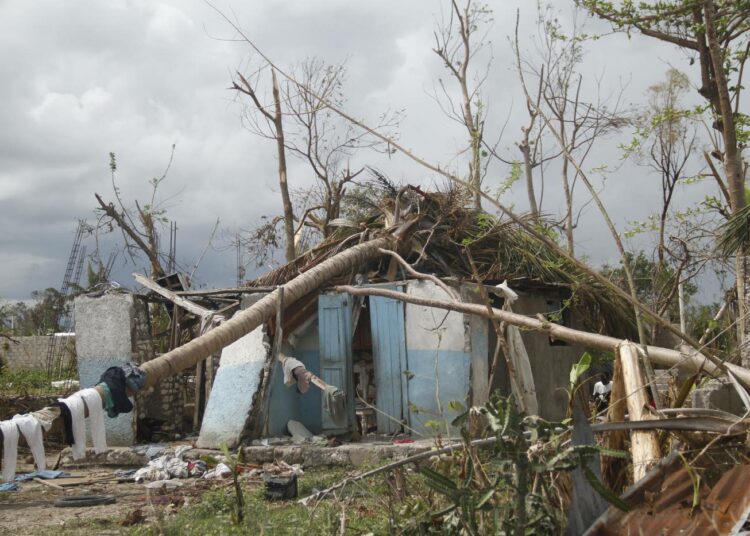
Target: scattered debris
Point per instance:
(170, 466)
(8, 486)
(221, 470)
(84, 500)
(134, 517)
(280, 488)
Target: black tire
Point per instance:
(84, 500)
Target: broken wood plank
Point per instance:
(47, 483)
(644, 445)
(171, 296)
(224, 291)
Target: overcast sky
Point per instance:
(82, 79)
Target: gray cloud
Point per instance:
(83, 78)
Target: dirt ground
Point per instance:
(31, 510)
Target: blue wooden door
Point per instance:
(389, 358)
(335, 331)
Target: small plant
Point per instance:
(234, 462)
(512, 490)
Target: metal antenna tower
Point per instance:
(61, 317)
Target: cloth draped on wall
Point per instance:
(93, 401)
(10, 449)
(74, 404)
(32, 431)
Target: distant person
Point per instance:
(602, 390)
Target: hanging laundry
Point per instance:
(109, 404)
(114, 377)
(46, 416)
(32, 431)
(96, 418)
(295, 372)
(135, 378)
(67, 423)
(75, 405)
(10, 449)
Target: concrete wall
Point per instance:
(550, 363)
(164, 402)
(438, 356)
(233, 392)
(105, 337)
(31, 352)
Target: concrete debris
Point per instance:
(163, 484)
(240, 371)
(221, 470)
(299, 432)
(170, 466)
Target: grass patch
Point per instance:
(26, 382)
(364, 507)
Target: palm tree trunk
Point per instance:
(244, 322)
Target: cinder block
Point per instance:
(718, 394)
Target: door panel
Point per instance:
(335, 331)
(389, 358)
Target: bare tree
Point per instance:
(589, 122)
(715, 33)
(669, 142)
(457, 42)
(578, 124)
(316, 137)
(139, 226)
(274, 129)
(325, 142)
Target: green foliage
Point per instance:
(515, 174)
(233, 462)
(651, 283)
(734, 235)
(577, 371)
(494, 494)
(26, 382)
(40, 318)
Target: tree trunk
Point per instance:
(732, 167)
(657, 355)
(568, 208)
(245, 321)
(644, 445)
(283, 186)
(526, 151)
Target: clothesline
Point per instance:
(76, 411)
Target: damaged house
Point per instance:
(406, 367)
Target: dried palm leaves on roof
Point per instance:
(442, 227)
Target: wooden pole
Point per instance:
(660, 356)
(644, 445)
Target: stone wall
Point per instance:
(31, 352)
(159, 407)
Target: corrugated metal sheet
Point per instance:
(722, 510)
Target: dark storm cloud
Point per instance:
(83, 78)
